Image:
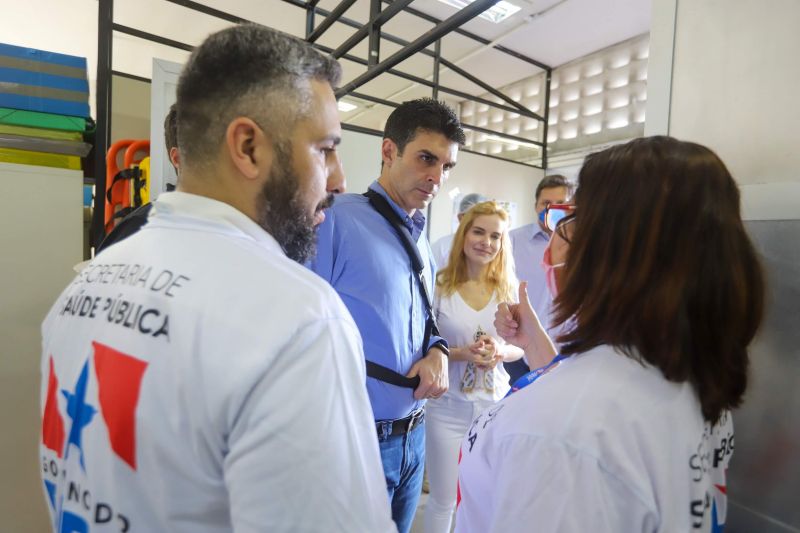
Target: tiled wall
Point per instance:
(594, 100)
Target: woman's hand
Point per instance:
(479, 352)
(490, 352)
(518, 324)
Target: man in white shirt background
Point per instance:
(196, 378)
(528, 244)
(441, 248)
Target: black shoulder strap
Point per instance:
(387, 375)
(375, 370)
(382, 206)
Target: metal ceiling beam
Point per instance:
(151, 37)
(202, 8)
(483, 48)
(374, 43)
(376, 21)
(310, 5)
(233, 18)
(516, 138)
(337, 12)
(394, 7)
(548, 79)
(477, 38)
(373, 99)
(379, 133)
(516, 107)
(437, 32)
(488, 88)
(355, 24)
(437, 61)
(428, 83)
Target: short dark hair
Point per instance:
(424, 114)
(661, 268)
(171, 128)
(247, 70)
(552, 181)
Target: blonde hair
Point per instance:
(498, 275)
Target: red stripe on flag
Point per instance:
(722, 488)
(458, 482)
(52, 423)
(119, 378)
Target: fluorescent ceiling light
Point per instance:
(497, 13)
(344, 107)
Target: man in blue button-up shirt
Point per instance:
(361, 255)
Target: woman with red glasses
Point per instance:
(661, 292)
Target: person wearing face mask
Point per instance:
(477, 278)
(631, 431)
(529, 243)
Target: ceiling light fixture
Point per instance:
(345, 107)
(497, 13)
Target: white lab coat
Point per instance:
(601, 443)
(195, 379)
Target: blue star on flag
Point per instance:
(79, 411)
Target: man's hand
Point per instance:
(432, 372)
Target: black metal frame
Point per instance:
(375, 67)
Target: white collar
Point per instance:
(212, 212)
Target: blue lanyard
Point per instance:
(533, 375)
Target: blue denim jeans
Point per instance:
(403, 458)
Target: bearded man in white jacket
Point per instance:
(196, 378)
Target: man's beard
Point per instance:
(281, 211)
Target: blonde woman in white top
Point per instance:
(478, 277)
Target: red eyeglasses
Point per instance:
(554, 214)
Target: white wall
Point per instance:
(41, 241)
(361, 159)
(501, 180)
(734, 86)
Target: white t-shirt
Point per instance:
(601, 443)
(197, 380)
(459, 323)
